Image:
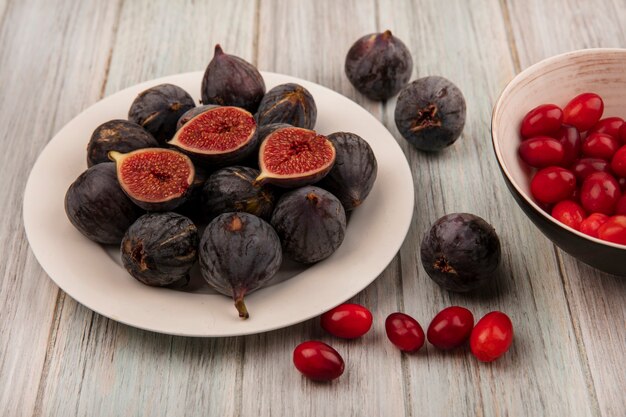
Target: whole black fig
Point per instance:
(288, 103)
(158, 109)
(235, 189)
(352, 177)
(310, 222)
(117, 135)
(160, 248)
(239, 253)
(379, 65)
(430, 113)
(231, 81)
(96, 205)
(461, 252)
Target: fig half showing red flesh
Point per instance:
(292, 157)
(155, 179)
(219, 136)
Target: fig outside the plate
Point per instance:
(218, 137)
(155, 179)
(293, 157)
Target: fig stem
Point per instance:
(218, 50)
(386, 35)
(114, 155)
(241, 307)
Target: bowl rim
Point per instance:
(496, 142)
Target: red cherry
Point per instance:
(622, 184)
(614, 230)
(541, 120)
(318, 361)
(404, 332)
(584, 167)
(492, 336)
(622, 133)
(618, 163)
(450, 328)
(620, 206)
(571, 141)
(569, 213)
(609, 126)
(599, 193)
(583, 111)
(348, 321)
(600, 145)
(553, 184)
(541, 151)
(591, 224)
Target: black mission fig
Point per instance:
(311, 224)
(461, 252)
(288, 103)
(96, 205)
(160, 248)
(239, 253)
(117, 135)
(352, 177)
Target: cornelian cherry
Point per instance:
(600, 145)
(541, 151)
(609, 126)
(584, 167)
(450, 328)
(599, 193)
(583, 111)
(553, 184)
(347, 321)
(542, 120)
(569, 137)
(492, 336)
(404, 332)
(318, 361)
(569, 213)
(614, 230)
(618, 163)
(591, 224)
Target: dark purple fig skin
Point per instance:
(117, 135)
(352, 177)
(379, 65)
(239, 253)
(252, 160)
(231, 81)
(234, 189)
(191, 113)
(192, 207)
(311, 224)
(158, 109)
(430, 113)
(288, 103)
(96, 205)
(461, 252)
(160, 248)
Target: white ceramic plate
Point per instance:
(93, 275)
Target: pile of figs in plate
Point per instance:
(246, 167)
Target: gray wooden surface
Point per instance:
(58, 358)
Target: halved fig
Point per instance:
(219, 136)
(292, 157)
(153, 178)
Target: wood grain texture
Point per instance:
(51, 67)
(98, 367)
(468, 45)
(595, 299)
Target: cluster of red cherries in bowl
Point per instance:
(452, 327)
(580, 159)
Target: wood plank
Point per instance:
(44, 47)
(467, 44)
(98, 367)
(596, 300)
(310, 40)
